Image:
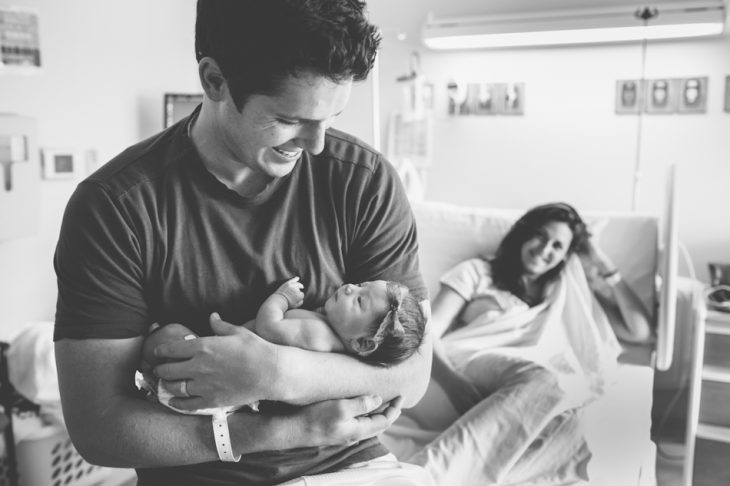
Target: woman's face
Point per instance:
(546, 249)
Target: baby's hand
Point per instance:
(292, 292)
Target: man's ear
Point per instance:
(363, 345)
(211, 78)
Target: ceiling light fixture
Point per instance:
(584, 26)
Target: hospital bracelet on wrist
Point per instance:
(223, 438)
(612, 278)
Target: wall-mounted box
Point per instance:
(489, 98)
(662, 96)
(629, 96)
(693, 95)
(514, 99)
(19, 178)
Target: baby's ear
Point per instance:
(363, 345)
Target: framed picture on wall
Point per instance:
(179, 105)
(59, 163)
(470, 105)
(489, 98)
(19, 40)
(693, 95)
(661, 95)
(629, 96)
(456, 92)
(727, 94)
(514, 99)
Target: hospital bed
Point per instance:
(618, 425)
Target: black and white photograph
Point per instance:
(364, 242)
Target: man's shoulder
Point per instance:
(141, 162)
(350, 151)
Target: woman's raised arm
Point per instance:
(629, 319)
(446, 307)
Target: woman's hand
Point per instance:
(626, 313)
(593, 257)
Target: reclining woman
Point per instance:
(528, 261)
(520, 353)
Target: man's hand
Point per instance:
(291, 290)
(232, 368)
(345, 421)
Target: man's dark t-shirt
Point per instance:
(154, 237)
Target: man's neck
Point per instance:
(230, 172)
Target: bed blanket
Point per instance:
(536, 371)
(568, 334)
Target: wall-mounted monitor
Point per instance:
(179, 105)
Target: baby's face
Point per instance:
(353, 308)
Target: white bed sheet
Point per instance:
(617, 428)
(618, 431)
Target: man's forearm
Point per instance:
(301, 376)
(136, 433)
(112, 425)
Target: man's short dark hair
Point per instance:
(258, 43)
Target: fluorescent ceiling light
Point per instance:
(678, 20)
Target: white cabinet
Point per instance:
(708, 431)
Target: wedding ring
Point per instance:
(184, 388)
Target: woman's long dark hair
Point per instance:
(507, 268)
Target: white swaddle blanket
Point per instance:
(569, 334)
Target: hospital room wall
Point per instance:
(105, 67)
(570, 144)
